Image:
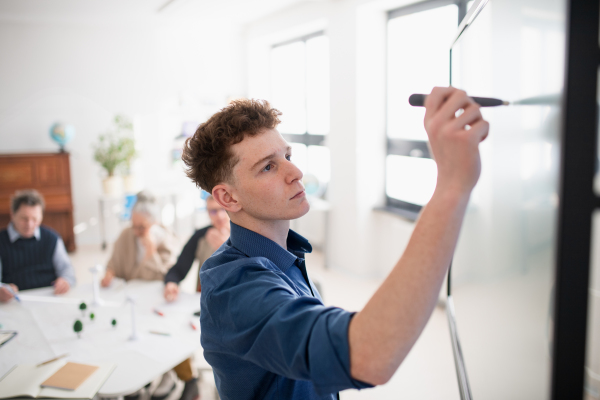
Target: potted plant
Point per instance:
(114, 149)
(124, 129)
(129, 153)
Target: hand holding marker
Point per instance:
(11, 291)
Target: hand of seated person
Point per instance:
(171, 291)
(216, 238)
(5, 294)
(61, 286)
(108, 277)
(149, 244)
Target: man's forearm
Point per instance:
(382, 334)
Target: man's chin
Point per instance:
(303, 210)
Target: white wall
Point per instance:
(162, 72)
(360, 240)
(158, 72)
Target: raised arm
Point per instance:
(382, 334)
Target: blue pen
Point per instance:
(10, 289)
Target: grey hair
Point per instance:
(28, 197)
(146, 204)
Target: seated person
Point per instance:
(32, 255)
(145, 250)
(201, 245)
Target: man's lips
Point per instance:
(299, 194)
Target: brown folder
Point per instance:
(70, 376)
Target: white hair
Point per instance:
(146, 205)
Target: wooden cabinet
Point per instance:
(48, 173)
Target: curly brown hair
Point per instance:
(207, 154)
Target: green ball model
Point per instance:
(114, 323)
(92, 316)
(78, 327)
(83, 307)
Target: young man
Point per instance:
(32, 255)
(265, 330)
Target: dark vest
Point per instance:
(28, 262)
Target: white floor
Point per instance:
(427, 372)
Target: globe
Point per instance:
(62, 134)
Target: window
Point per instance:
(300, 90)
(418, 43)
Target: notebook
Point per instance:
(60, 379)
(70, 376)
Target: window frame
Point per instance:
(306, 138)
(405, 147)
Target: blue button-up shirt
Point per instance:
(264, 328)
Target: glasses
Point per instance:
(214, 211)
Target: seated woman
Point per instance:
(145, 250)
(201, 245)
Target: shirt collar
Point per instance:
(13, 235)
(255, 245)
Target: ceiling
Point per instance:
(236, 11)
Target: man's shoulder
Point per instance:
(49, 232)
(228, 256)
(227, 262)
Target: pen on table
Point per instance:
(158, 312)
(10, 289)
(52, 359)
(418, 100)
(160, 333)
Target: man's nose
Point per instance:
(293, 172)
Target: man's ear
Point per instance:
(224, 195)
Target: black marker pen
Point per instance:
(418, 100)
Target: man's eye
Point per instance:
(288, 157)
(268, 167)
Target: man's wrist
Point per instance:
(452, 196)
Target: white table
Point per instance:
(45, 329)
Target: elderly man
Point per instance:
(31, 255)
